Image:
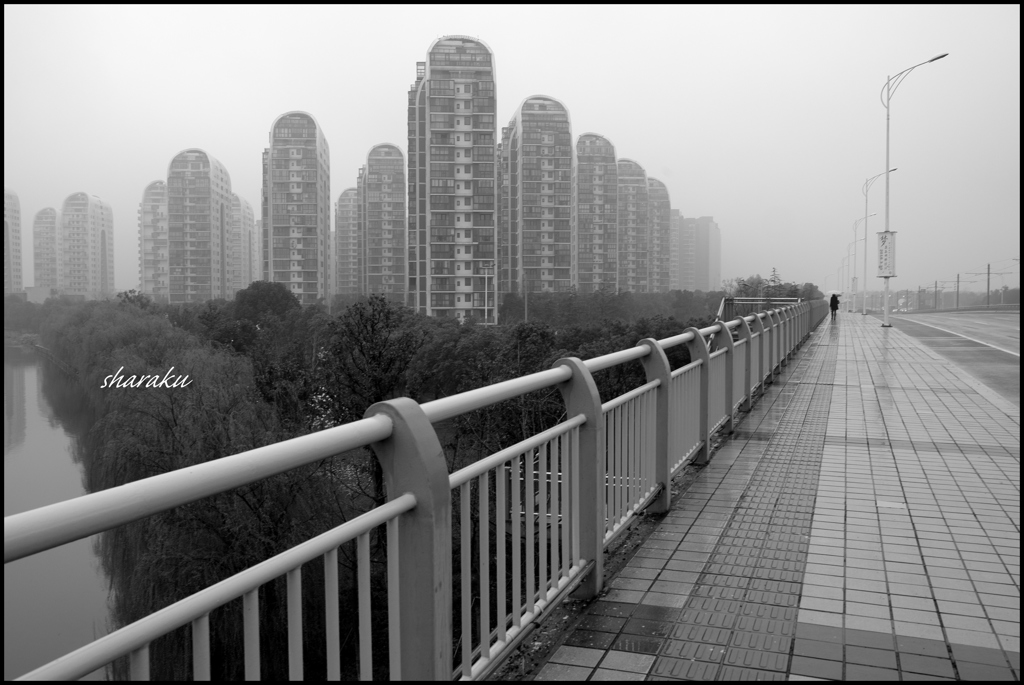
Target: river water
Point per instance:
(56, 601)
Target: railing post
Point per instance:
(724, 341)
(581, 397)
(413, 462)
(656, 367)
(699, 350)
(786, 342)
(775, 370)
(762, 341)
(744, 334)
(769, 330)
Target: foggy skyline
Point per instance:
(766, 118)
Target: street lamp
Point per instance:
(849, 273)
(853, 290)
(866, 188)
(888, 90)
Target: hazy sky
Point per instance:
(767, 118)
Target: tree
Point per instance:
(264, 297)
(367, 353)
(134, 298)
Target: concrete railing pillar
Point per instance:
(787, 335)
(743, 330)
(723, 341)
(776, 331)
(413, 462)
(762, 339)
(699, 350)
(581, 397)
(656, 367)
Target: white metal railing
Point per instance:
(546, 506)
(629, 430)
(716, 400)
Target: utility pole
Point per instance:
(988, 281)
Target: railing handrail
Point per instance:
(98, 653)
(478, 398)
(478, 468)
(627, 396)
(40, 529)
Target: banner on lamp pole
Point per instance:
(886, 254)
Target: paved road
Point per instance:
(998, 329)
(984, 344)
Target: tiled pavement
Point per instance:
(863, 523)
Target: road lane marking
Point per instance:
(961, 335)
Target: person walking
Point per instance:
(833, 304)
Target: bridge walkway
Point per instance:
(863, 522)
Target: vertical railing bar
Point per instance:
(531, 597)
(332, 615)
(542, 519)
(484, 522)
(138, 663)
(394, 604)
(251, 633)
(613, 451)
(629, 411)
(565, 441)
(465, 530)
(365, 610)
(638, 457)
(201, 648)
(621, 467)
(645, 447)
(555, 513)
(517, 544)
(500, 543)
(609, 455)
(294, 585)
(575, 470)
(627, 438)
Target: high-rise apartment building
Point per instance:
(660, 227)
(675, 251)
(688, 254)
(596, 238)
(296, 206)
(199, 214)
(13, 278)
(257, 251)
(47, 249)
(700, 254)
(154, 246)
(241, 241)
(451, 238)
(87, 236)
(346, 243)
(383, 223)
(634, 228)
(708, 253)
(539, 179)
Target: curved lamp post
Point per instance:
(853, 288)
(866, 188)
(888, 90)
(848, 272)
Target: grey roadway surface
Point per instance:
(985, 344)
(999, 329)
